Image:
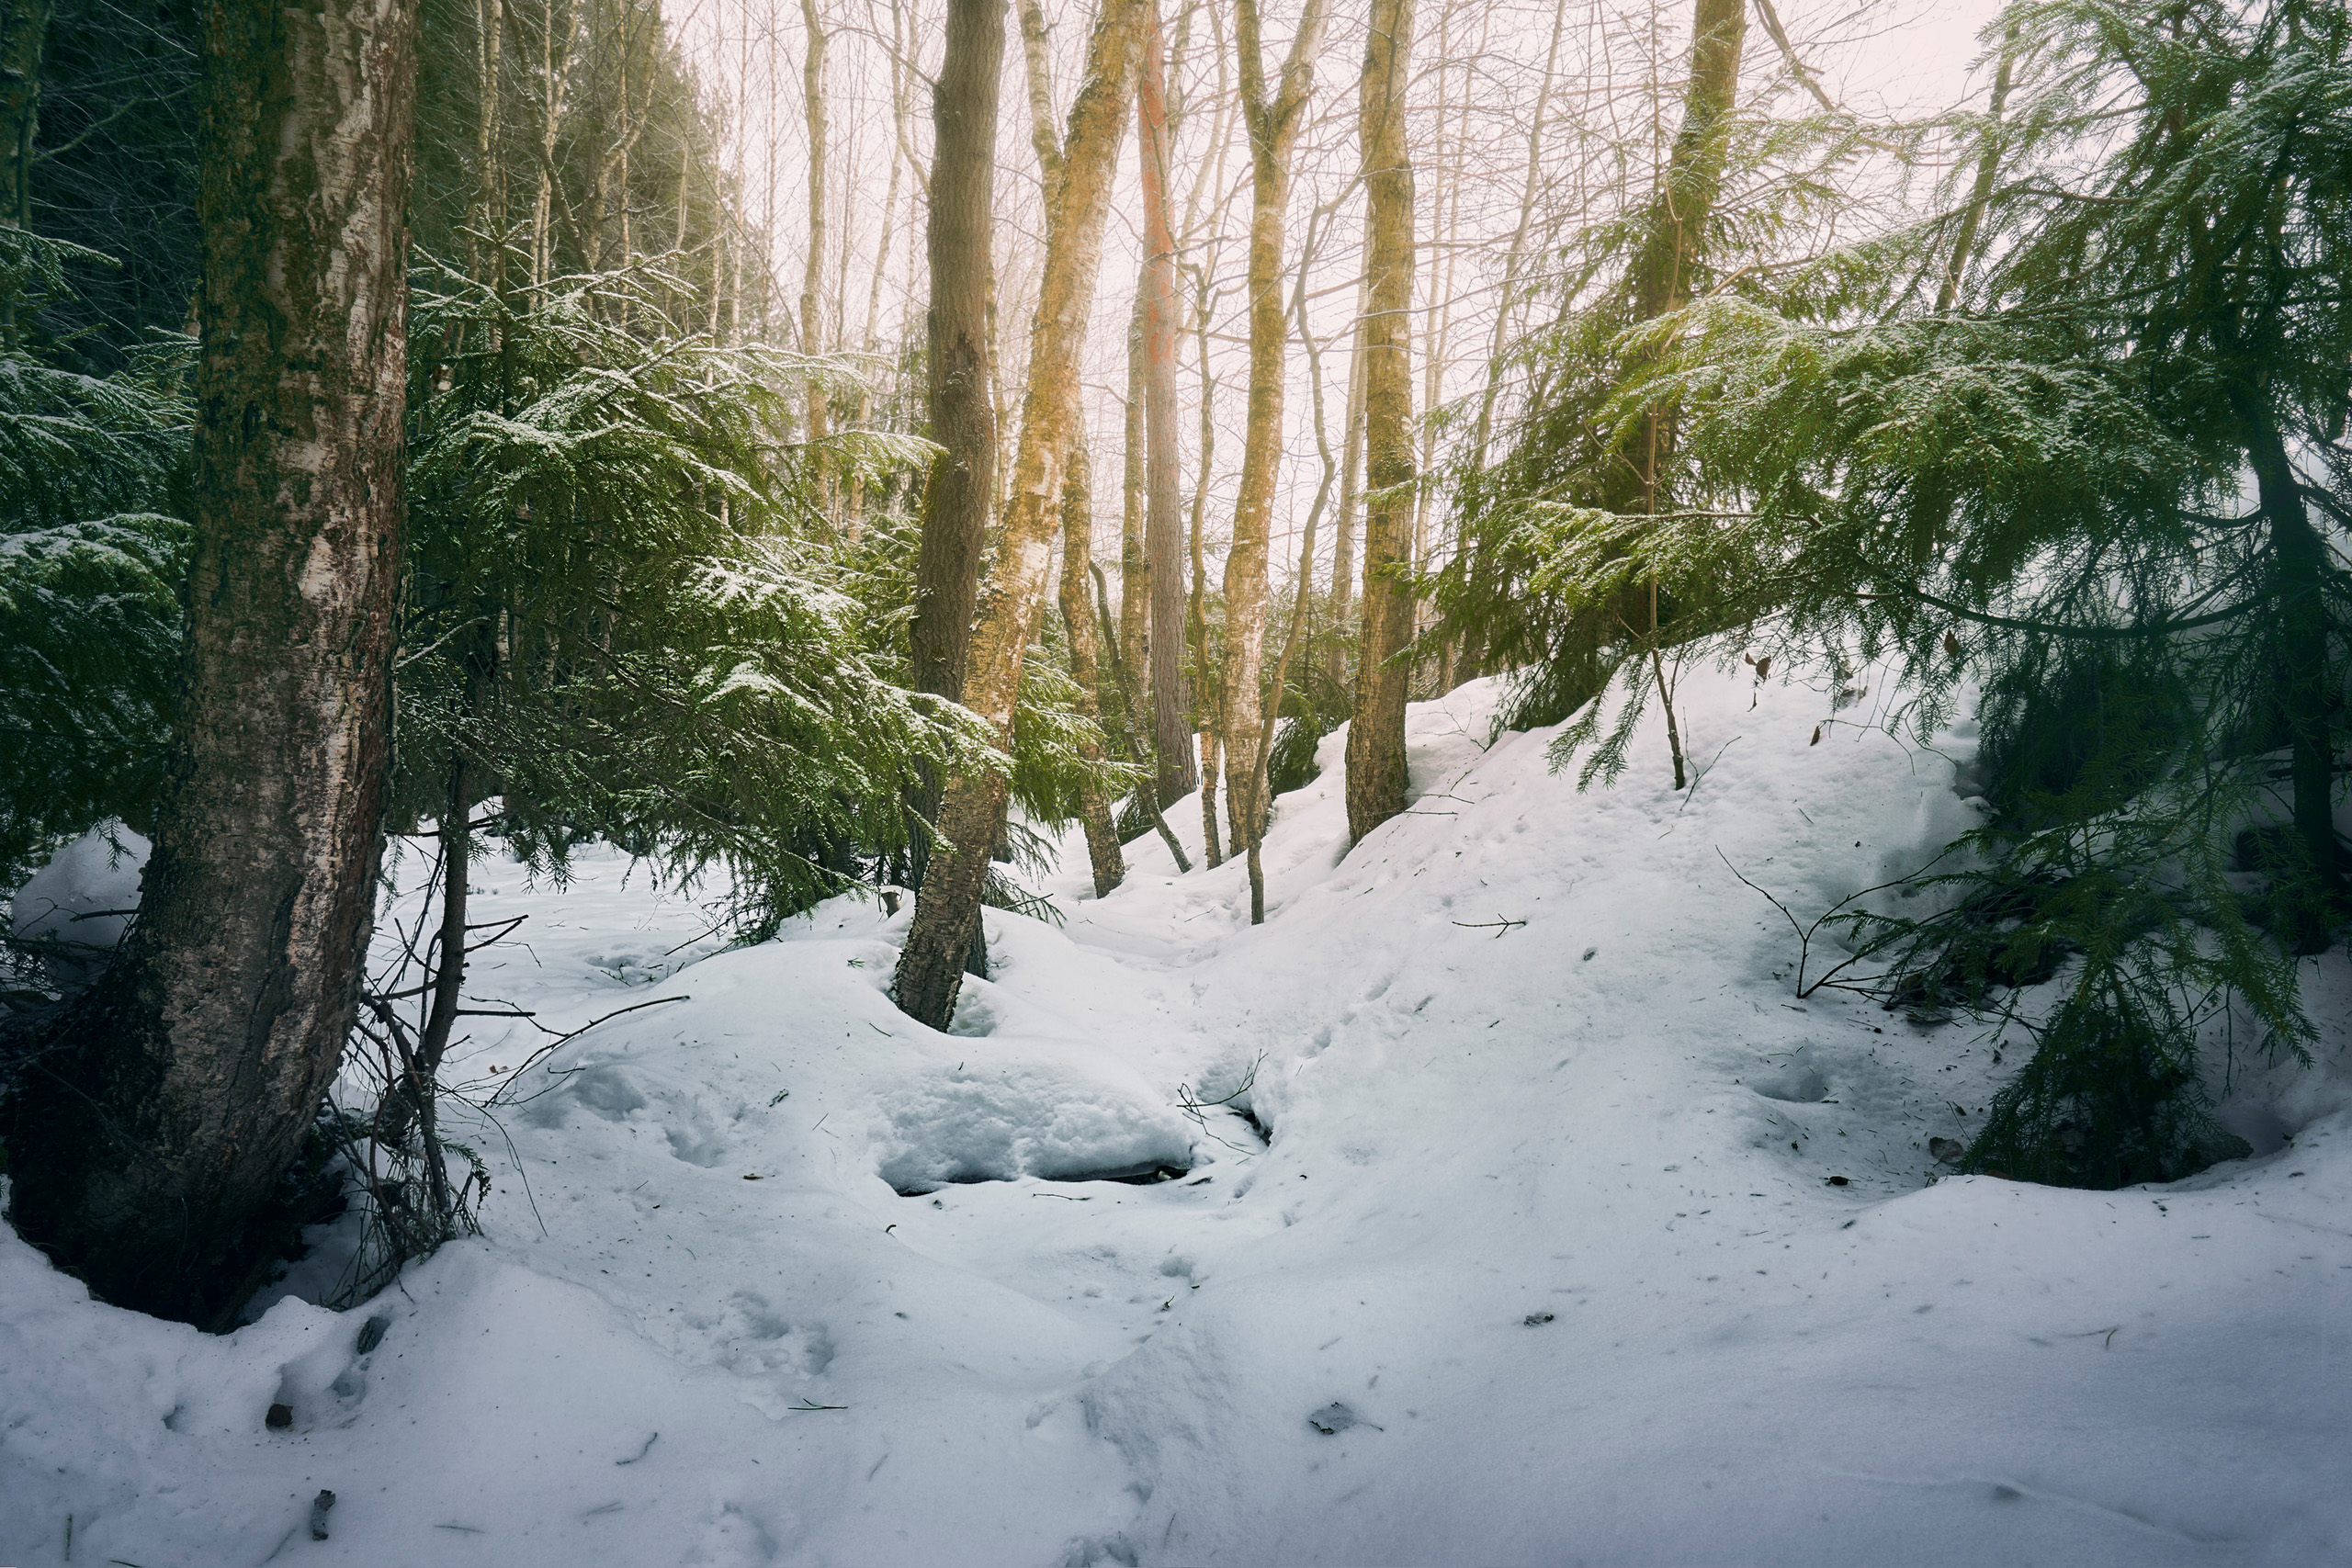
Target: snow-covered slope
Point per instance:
(1544, 1262)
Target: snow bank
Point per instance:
(1580, 1237)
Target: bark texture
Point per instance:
(1671, 252)
(947, 909)
(1375, 755)
(1163, 523)
(1134, 560)
(1272, 123)
(1085, 666)
(189, 1076)
(1675, 240)
(963, 417)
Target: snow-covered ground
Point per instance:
(1545, 1261)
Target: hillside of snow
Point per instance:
(1548, 1260)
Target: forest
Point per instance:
(1355, 643)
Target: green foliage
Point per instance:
(90, 567)
(2100, 488)
(620, 616)
(114, 178)
(1568, 455)
(2110, 1097)
(1313, 705)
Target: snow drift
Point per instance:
(1580, 1237)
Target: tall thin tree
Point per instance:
(1375, 755)
(958, 494)
(1163, 525)
(1273, 122)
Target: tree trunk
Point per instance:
(1163, 525)
(192, 1073)
(871, 339)
(1988, 165)
(1685, 201)
(2299, 558)
(555, 59)
(812, 278)
(1343, 542)
(1134, 560)
(1660, 283)
(1207, 702)
(485, 246)
(1211, 748)
(963, 416)
(24, 30)
(947, 909)
(1474, 651)
(1273, 135)
(1376, 754)
(1130, 687)
(1078, 617)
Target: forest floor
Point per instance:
(1547, 1259)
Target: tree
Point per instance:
(947, 909)
(1163, 529)
(2105, 485)
(1078, 615)
(957, 495)
(1274, 125)
(812, 277)
(24, 30)
(145, 1148)
(1376, 730)
(91, 564)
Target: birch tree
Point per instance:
(188, 1077)
(1272, 123)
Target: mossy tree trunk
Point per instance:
(1375, 755)
(960, 490)
(149, 1142)
(1272, 123)
(947, 909)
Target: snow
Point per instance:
(79, 903)
(1542, 1263)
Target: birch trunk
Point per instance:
(1376, 754)
(947, 910)
(1273, 128)
(871, 339)
(191, 1074)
